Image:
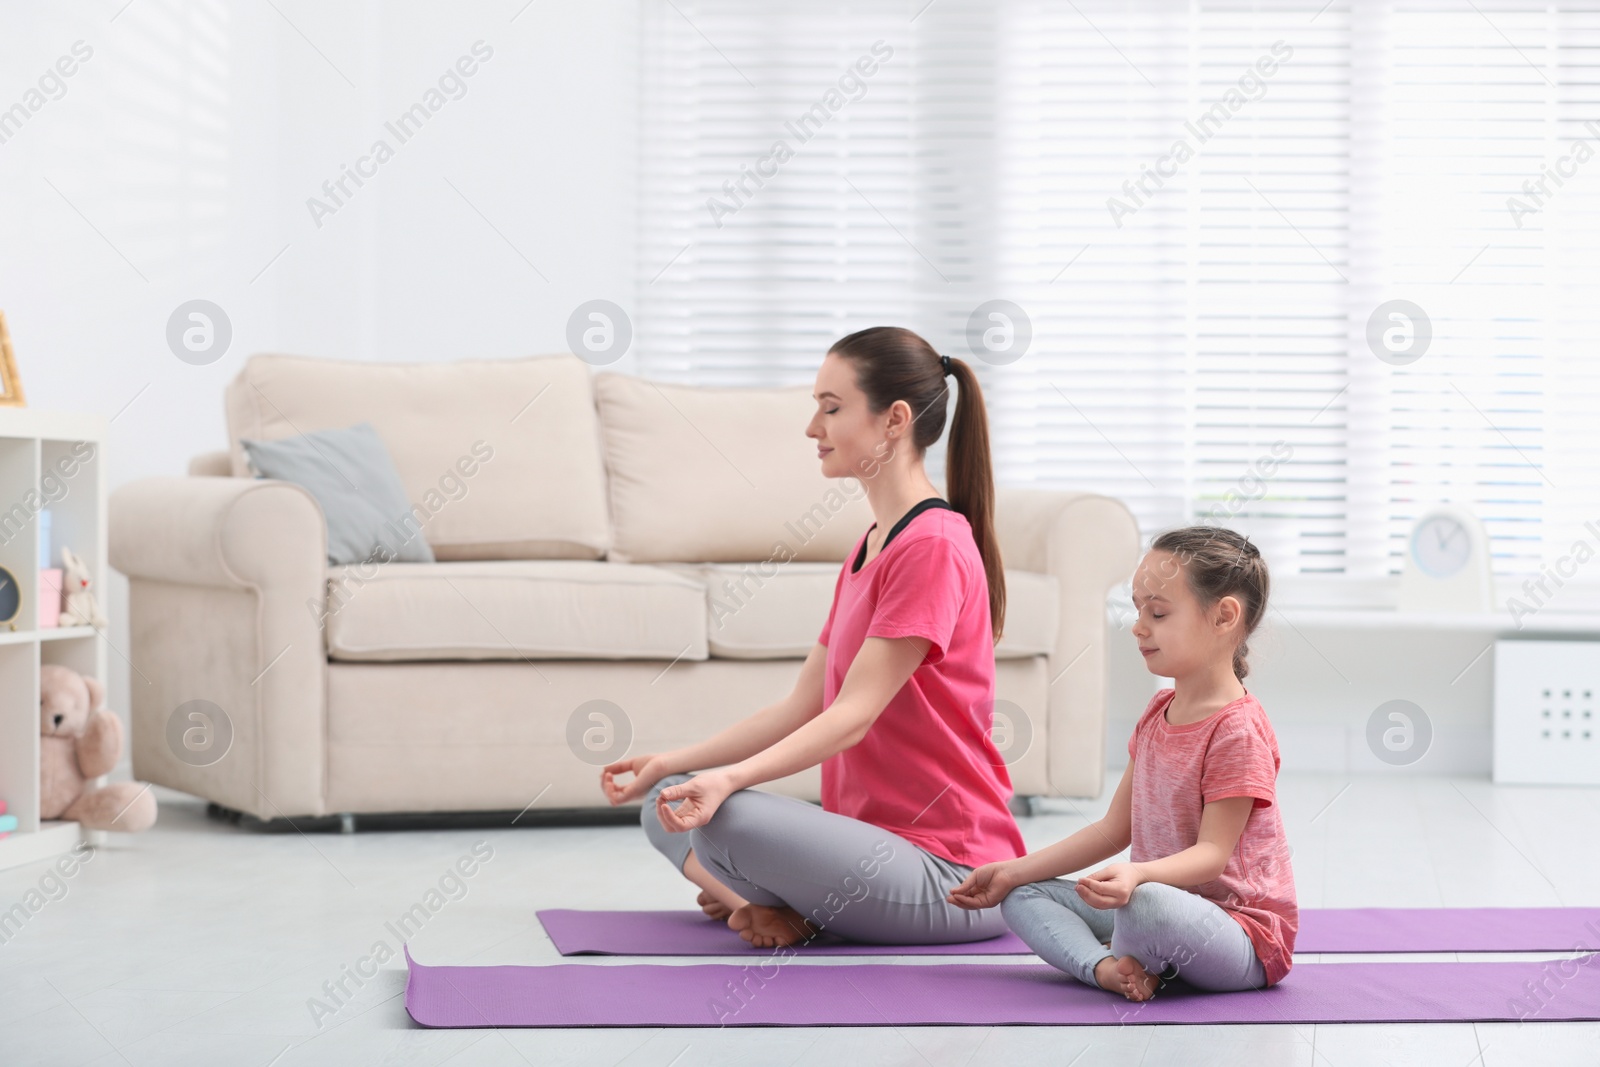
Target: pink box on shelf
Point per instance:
(50, 580)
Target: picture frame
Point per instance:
(10, 382)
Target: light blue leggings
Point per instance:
(1170, 931)
(850, 878)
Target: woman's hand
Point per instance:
(1109, 887)
(985, 887)
(646, 771)
(702, 795)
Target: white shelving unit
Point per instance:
(34, 445)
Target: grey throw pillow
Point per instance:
(353, 477)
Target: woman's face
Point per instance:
(1176, 635)
(851, 440)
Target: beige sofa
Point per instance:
(659, 554)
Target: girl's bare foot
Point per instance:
(1126, 976)
(766, 927)
(713, 907)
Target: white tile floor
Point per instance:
(201, 943)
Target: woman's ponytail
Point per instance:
(892, 364)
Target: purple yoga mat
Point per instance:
(690, 933)
(1448, 930)
(779, 992)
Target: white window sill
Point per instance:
(1318, 602)
(1547, 621)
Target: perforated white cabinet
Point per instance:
(1546, 730)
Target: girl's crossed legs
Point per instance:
(1169, 930)
(846, 876)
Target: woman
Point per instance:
(895, 700)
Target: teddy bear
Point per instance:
(81, 607)
(80, 741)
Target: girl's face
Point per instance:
(851, 440)
(1176, 636)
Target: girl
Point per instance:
(1208, 893)
(893, 701)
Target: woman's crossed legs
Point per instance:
(840, 874)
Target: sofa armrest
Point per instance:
(1090, 543)
(231, 532)
(218, 464)
(227, 582)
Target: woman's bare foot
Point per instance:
(713, 907)
(1126, 976)
(766, 927)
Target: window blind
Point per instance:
(1202, 210)
(771, 222)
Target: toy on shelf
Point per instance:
(81, 607)
(8, 823)
(50, 577)
(81, 740)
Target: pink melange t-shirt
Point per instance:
(928, 768)
(1177, 770)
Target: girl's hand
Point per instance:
(702, 795)
(1109, 887)
(985, 887)
(646, 771)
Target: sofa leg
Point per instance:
(347, 822)
(1025, 806)
(217, 811)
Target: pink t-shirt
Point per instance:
(1177, 770)
(928, 768)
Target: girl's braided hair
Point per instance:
(1219, 562)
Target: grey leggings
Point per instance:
(1170, 931)
(849, 877)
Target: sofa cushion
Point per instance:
(352, 475)
(757, 612)
(500, 459)
(705, 474)
(513, 609)
(762, 610)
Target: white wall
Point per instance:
(1320, 685)
(177, 162)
